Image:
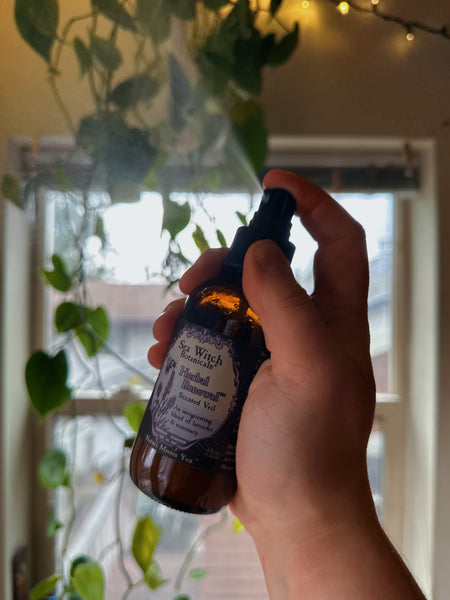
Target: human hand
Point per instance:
(307, 418)
(301, 452)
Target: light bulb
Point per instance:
(305, 4)
(410, 36)
(375, 2)
(343, 7)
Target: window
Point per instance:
(125, 276)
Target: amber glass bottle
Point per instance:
(184, 454)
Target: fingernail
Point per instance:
(268, 255)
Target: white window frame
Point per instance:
(397, 412)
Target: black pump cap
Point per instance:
(271, 221)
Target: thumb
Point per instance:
(293, 329)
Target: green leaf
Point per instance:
(91, 325)
(69, 316)
(199, 238)
(81, 559)
(58, 278)
(46, 378)
(252, 136)
(183, 9)
(242, 218)
(182, 597)
(88, 581)
(83, 55)
(37, 21)
(197, 573)
(274, 6)
(11, 189)
(176, 216)
(95, 333)
(145, 539)
(280, 52)
(154, 18)
(113, 10)
(215, 4)
(136, 89)
(52, 470)
(45, 587)
(221, 239)
(52, 525)
(106, 53)
(153, 578)
(134, 411)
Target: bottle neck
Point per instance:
(231, 273)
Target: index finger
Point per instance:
(340, 267)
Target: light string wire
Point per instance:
(407, 24)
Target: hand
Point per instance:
(301, 452)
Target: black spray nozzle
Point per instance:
(271, 221)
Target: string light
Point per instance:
(305, 4)
(344, 8)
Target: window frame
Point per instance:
(391, 409)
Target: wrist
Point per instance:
(338, 553)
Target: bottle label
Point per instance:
(194, 410)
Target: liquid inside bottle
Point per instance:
(227, 338)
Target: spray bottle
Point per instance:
(184, 453)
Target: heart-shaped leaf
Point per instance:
(58, 278)
(95, 333)
(176, 216)
(37, 21)
(69, 316)
(89, 581)
(46, 380)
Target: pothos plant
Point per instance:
(153, 107)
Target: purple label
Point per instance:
(196, 389)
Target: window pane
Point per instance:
(375, 213)
(126, 258)
(106, 503)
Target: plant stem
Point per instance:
(194, 548)
(117, 519)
